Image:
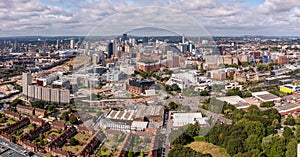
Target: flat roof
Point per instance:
(266, 96)
(181, 119)
(287, 107)
(139, 125)
(278, 77)
(233, 100)
(152, 110)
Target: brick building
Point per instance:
(139, 86)
(58, 126)
(61, 139)
(40, 112)
(12, 114)
(88, 148)
(25, 109)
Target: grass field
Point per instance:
(73, 149)
(190, 92)
(278, 93)
(205, 147)
(82, 137)
(103, 151)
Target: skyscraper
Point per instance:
(27, 80)
(87, 45)
(57, 44)
(110, 49)
(72, 44)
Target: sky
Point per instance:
(111, 17)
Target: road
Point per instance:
(216, 116)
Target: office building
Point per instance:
(110, 49)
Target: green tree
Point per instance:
(38, 104)
(267, 104)
(291, 148)
(254, 110)
(247, 94)
(15, 102)
(73, 120)
(297, 133)
(182, 139)
(274, 145)
(42, 142)
(74, 141)
(288, 133)
(290, 121)
(270, 130)
(176, 88)
(65, 116)
(297, 120)
(254, 128)
(173, 106)
(204, 93)
(272, 114)
(252, 142)
(234, 146)
(192, 130)
(276, 124)
(233, 92)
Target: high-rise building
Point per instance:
(110, 49)
(57, 44)
(96, 59)
(88, 45)
(72, 42)
(27, 80)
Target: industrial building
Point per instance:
(182, 119)
(236, 101)
(289, 88)
(265, 96)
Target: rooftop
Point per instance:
(181, 119)
(287, 107)
(265, 96)
(120, 115)
(237, 101)
(144, 111)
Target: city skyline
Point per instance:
(218, 17)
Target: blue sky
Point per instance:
(218, 17)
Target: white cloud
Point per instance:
(220, 17)
(271, 6)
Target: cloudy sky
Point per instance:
(218, 17)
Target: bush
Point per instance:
(73, 120)
(267, 104)
(73, 141)
(204, 93)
